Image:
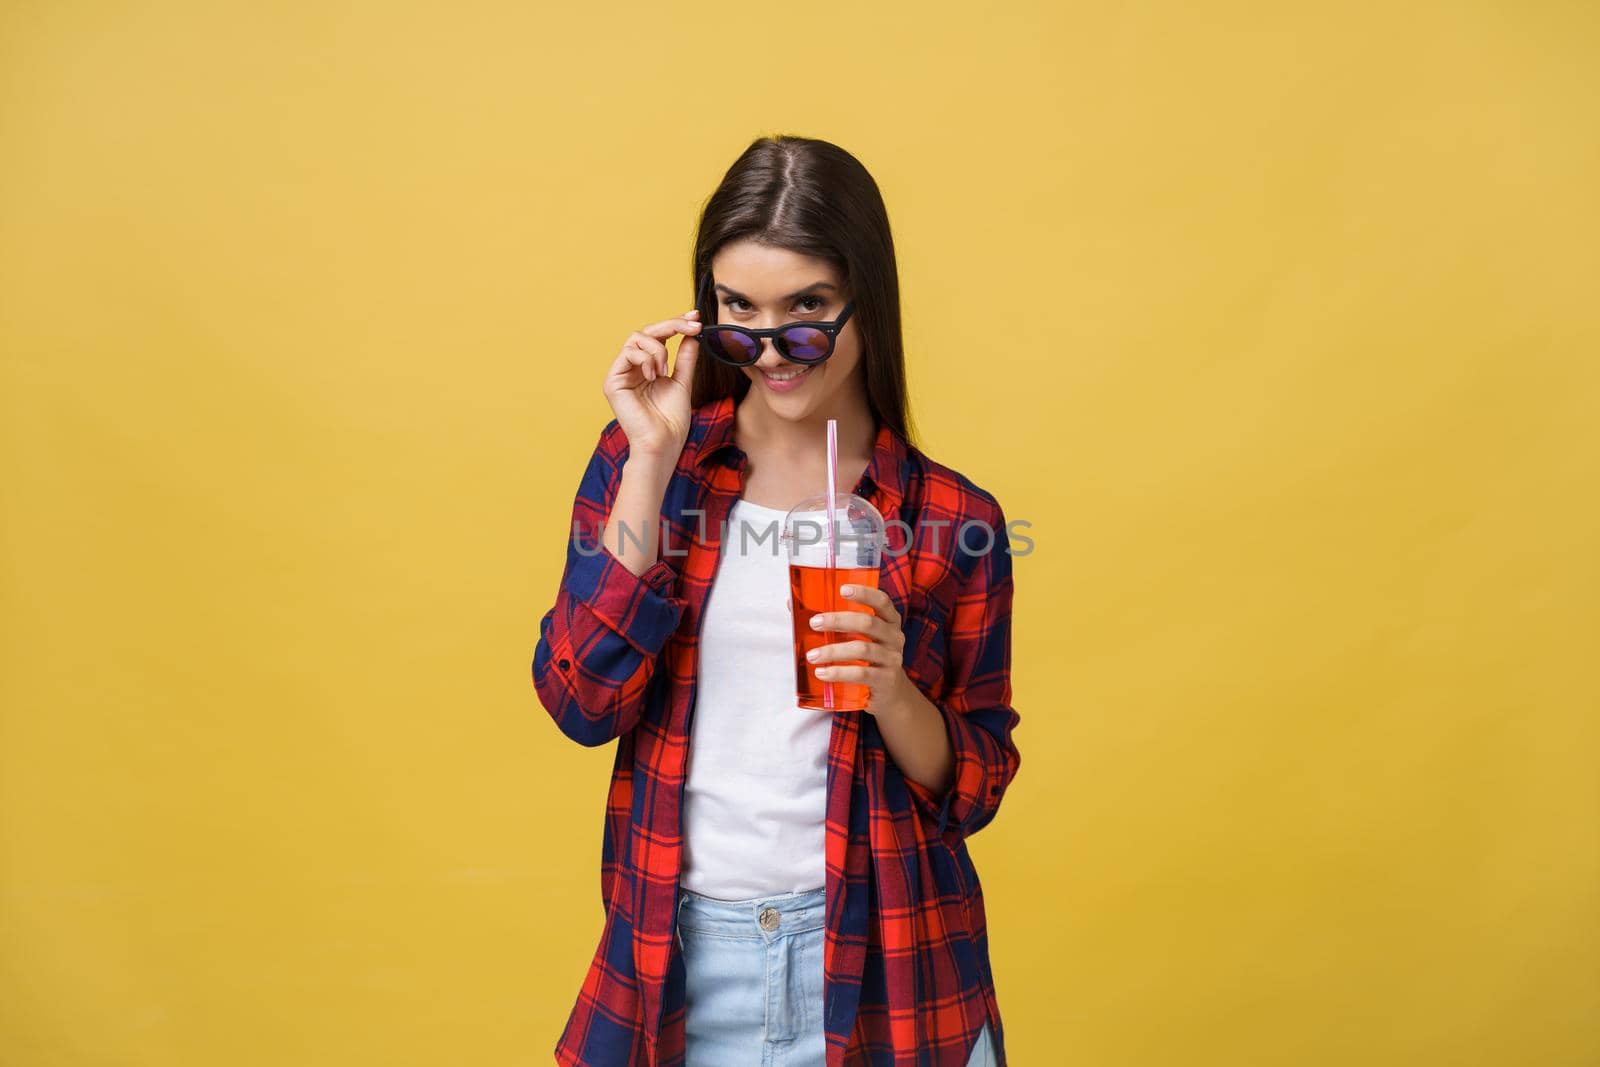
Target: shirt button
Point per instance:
(768, 919)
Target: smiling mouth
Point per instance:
(787, 375)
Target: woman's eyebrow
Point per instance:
(735, 294)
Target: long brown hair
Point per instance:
(814, 198)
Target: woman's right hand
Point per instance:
(651, 406)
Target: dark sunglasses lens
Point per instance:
(732, 346)
(804, 344)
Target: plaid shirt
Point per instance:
(907, 980)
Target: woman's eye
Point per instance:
(816, 302)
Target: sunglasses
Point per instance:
(806, 343)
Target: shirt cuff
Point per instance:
(938, 807)
(639, 607)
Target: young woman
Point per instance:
(781, 885)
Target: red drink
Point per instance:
(814, 590)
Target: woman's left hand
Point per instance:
(883, 649)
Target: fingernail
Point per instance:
(816, 622)
(814, 653)
(822, 672)
(848, 590)
(691, 311)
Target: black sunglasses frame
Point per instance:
(829, 329)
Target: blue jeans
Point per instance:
(754, 982)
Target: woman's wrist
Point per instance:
(649, 470)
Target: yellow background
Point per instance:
(1277, 322)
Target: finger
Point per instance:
(854, 622)
(683, 363)
(626, 365)
(667, 327)
(876, 599)
(632, 356)
(871, 676)
(844, 651)
(655, 364)
(647, 343)
(842, 621)
(644, 358)
(838, 652)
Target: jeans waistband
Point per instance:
(786, 913)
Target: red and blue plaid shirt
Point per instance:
(906, 969)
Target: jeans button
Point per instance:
(768, 919)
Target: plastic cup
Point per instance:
(814, 580)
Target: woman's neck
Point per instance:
(757, 430)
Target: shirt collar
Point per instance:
(886, 470)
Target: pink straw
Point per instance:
(833, 552)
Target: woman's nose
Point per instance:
(769, 359)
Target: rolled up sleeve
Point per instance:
(600, 644)
(976, 699)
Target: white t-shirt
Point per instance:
(754, 800)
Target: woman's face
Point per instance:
(761, 287)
